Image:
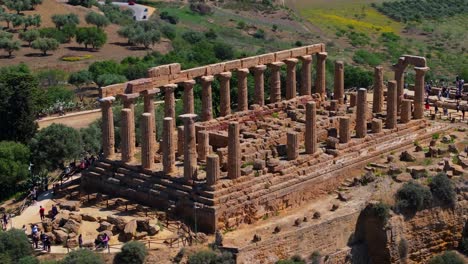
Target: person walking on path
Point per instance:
(5, 221)
(42, 212)
(80, 241)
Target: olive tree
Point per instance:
(45, 44)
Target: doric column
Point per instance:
(203, 145)
(405, 113)
(242, 91)
(233, 162)
(418, 112)
(352, 99)
(275, 81)
(306, 75)
(168, 150)
(180, 140)
(376, 125)
(377, 104)
(190, 151)
(334, 105)
(311, 129)
(400, 81)
(345, 134)
(128, 100)
(320, 81)
(292, 147)
(225, 93)
(148, 107)
(361, 113)
(108, 138)
(127, 135)
(169, 101)
(291, 78)
(338, 91)
(189, 107)
(147, 141)
(207, 100)
(259, 84)
(391, 120)
(212, 169)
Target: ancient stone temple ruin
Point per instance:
(271, 153)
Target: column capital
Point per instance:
(169, 88)
(242, 72)
(188, 83)
(276, 64)
(339, 64)
(421, 69)
(106, 100)
(207, 79)
(225, 75)
(188, 116)
(150, 92)
(378, 68)
(259, 68)
(291, 62)
(322, 55)
(306, 58)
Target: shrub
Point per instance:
(464, 245)
(357, 77)
(223, 51)
(381, 211)
(82, 256)
(28, 260)
(63, 36)
(260, 34)
(211, 34)
(97, 19)
(366, 57)
(67, 19)
(192, 37)
(201, 8)
(449, 257)
(168, 32)
(109, 78)
(208, 256)
(241, 25)
(9, 45)
(14, 163)
(76, 58)
(173, 19)
(412, 197)
(442, 188)
(133, 252)
(96, 37)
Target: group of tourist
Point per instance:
(37, 236)
(101, 241)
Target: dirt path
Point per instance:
(76, 120)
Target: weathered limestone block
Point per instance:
(203, 145)
(352, 99)
(376, 125)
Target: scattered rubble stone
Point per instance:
(406, 156)
(417, 171)
(452, 148)
(130, 230)
(403, 177)
(277, 229)
(335, 207)
(367, 178)
(256, 238)
(104, 225)
(343, 197)
(390, 158)
(88, 217)
(70, 205)
(317, 215)
(259, 164)
(297, 222)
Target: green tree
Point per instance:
(8, 18)
(15, 245)
(208, 256)
(109, 78)
(97, 19)
(19, 102)
(146, 38)
(14, 164)
(45, 44)
(192, 37)
(133, 252)
(29, 21)
(67, 19)
(168, 31)
(17, 21)
(95, 37)
(54, 144)
(80, 78)
(18, 5)
(82, 256)
(5, 35)
(102, 67)
(91, 138)
(442, 188)
(9, 45)
(29, 36)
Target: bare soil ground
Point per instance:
(114, 49)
